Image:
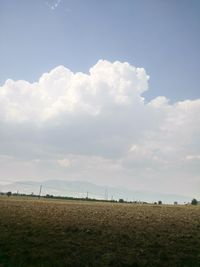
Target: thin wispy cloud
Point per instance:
(53, 4)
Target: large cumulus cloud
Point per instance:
(98, 127)
(60, 91)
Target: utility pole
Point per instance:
(40, 190)
(87, 195)
(106, 194)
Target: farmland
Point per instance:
(53, 233)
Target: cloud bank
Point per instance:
(98, 127)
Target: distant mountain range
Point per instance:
(83, 189)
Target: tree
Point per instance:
(194, 201)
(9, 193)
(121, 200)
(160, 202)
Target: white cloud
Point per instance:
(99, 123)
(64, 163)
(61, 91)
(53, 4)
(159, 102)
(191, 157)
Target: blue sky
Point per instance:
(161, 36)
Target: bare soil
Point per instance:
(50, 233)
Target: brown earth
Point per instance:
(50, 233)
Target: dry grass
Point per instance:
(64, 233)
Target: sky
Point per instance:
(102, 91)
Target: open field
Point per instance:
(69, 233)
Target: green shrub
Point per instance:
(194, 201)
